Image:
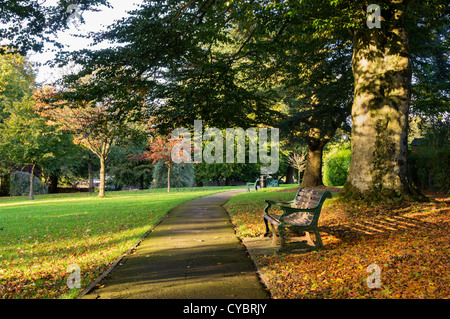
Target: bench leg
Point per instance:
(318, 244)
(308, 239)
(281, 231)
(274, 235)
(267, 233)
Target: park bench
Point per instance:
(251, 185)
(274, 183)
(301, 217)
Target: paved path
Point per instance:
(192, 254)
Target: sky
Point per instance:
(94, 21)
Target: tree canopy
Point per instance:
(226, 62)
(29, 25)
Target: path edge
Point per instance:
(262, 278)
(111, 267)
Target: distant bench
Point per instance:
(301, 216)
(274, 183)
(252, 185)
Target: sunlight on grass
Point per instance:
(41, 238)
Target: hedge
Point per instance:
(20, 184)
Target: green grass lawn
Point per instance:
(41, 238)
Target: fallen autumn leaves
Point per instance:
(409, 242)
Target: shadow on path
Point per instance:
(192, 254)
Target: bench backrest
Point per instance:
(307, 198)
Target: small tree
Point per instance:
(298, 161)
(161, 150)
(90, 122)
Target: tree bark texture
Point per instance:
(313, 171)
(382, 75)
(101, 191)
(290, 175)
(53, 188)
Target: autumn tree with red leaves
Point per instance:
(161, 150)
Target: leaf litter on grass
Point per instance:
(41, 239)
(408, 241)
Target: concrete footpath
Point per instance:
(192, 254)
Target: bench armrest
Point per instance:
(274, 202)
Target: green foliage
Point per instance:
(206, 173)
(28, 25)
(336, 166)
(126, 171)
(430, 167)
(20, 184)
(16, 80)
(181, 175)
(25, 136)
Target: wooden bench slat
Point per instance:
(310, 195)
(273, 219)
(299, 219)
(312, 192)
(307, 200)
(304, 205)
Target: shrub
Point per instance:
(430, 168)
(20, 184)
(336, 166)
(181, 175)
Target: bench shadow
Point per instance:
(350, 233)
(380, 227)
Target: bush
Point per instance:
(20, 184)
(430, 168)
(181, 175)
(336, 166)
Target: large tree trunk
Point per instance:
(101, 191)
(4, 185)
(290, 170)
(382, 74)
(53, 188)
(313, 171)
